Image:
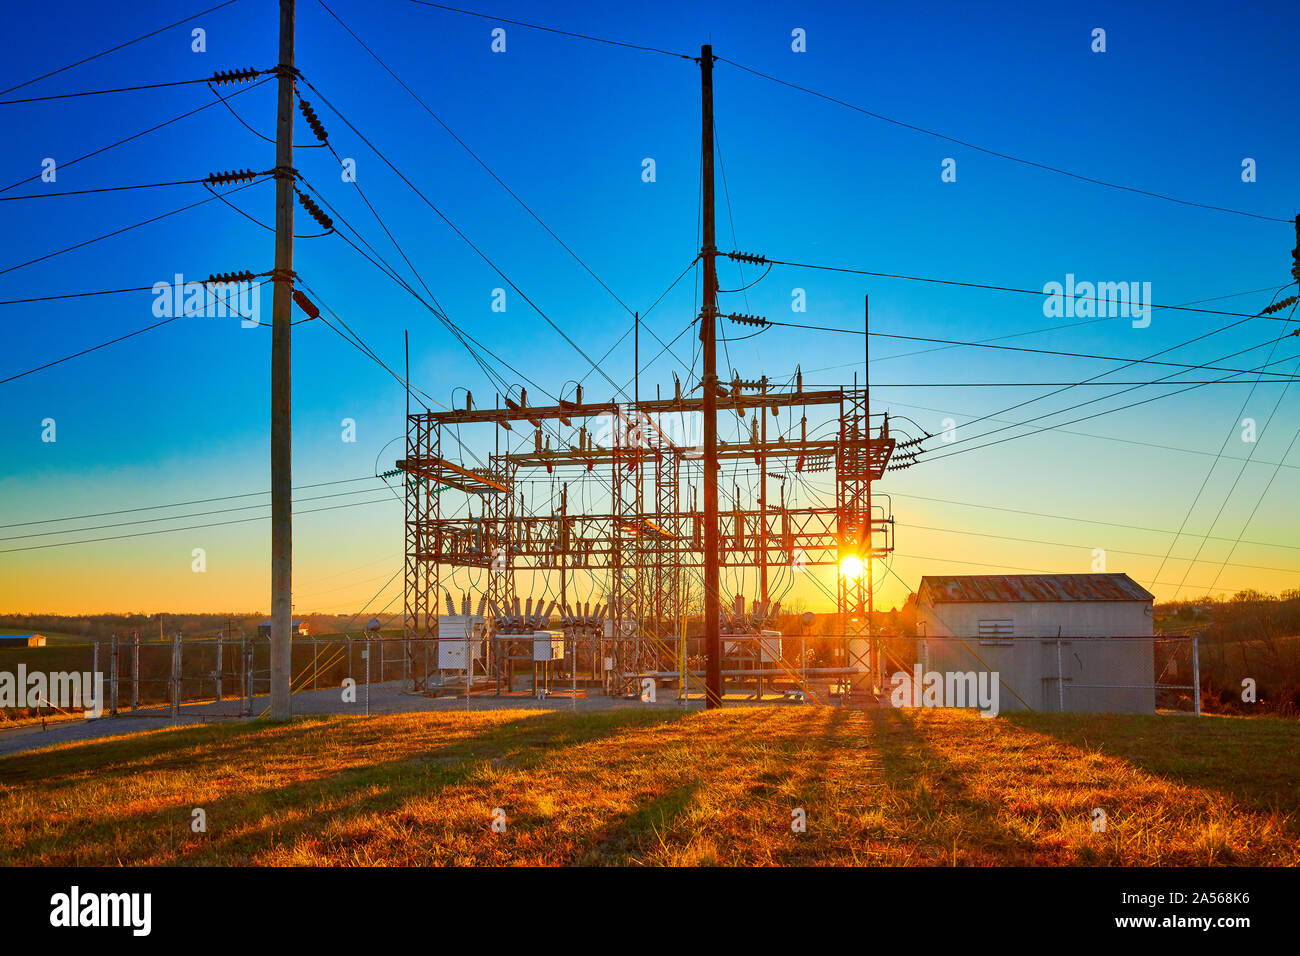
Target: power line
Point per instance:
(197, 514)
(95, 348)
(181, 504)
(120, 46)
(1078, 547)
(1015, 348)
(215, 524)
(1259, 501)
(101, 189)
(75, 295)
(120, 89)
(577, 348)
(993, 152)
(534, 26)
(622, 338)
(118, 232)
(382, 265)
(1099, 375)
(1107, 411)
(477, 159)
(1078, 519)
(1217, 381)
(1114, 438)
(994, 288)
(1213, 466)
(143, 132)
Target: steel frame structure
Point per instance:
(648, 539)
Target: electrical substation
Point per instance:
(647, 530)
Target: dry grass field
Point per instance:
(649, 787)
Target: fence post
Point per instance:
(1060, 678)
(94, 664)
(135, 670)
(112, 678)
(176, 675)
(1196, 673)
(218, 673)
(367, 657)
(315, 658)
(246, 652)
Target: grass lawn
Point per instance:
(650, 787)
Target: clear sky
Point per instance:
(1182, 95)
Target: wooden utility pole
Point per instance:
(709, 382)
(281, 404)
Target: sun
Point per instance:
(851, 566)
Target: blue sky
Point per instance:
(1183, 93)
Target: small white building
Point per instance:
(1059, 642)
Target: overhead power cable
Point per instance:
(101, 345)
(1107, 411)
(567, 33)
(120, 46)
(993, 152)
(1128, 526)
(180, 504)
(1093, 435)
(214, 524)
(196, 514)
(1288, 379)
(452, 133)
(1213, 466)
(536, 308)
(991, 288)
(101, 189)
(118, 232)
(1016, 348)
(74, 295)
(143, 132)
(240, 76)
(1100, 375)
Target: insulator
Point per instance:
(234, 176)
(745, 319)
(747, 257)
(220, 278)
(1279, 306)
(306, 304)
(315, 211)
(222, 77)
(313, 120)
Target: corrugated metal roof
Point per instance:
(1014, 588)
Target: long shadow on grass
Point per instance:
(931, 788)
(313, 805)
(116, 758)
(800, 754)
(1252, 761)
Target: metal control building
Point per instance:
(1060, 642)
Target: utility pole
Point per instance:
(281, 402)
(709, 382)
(867, 536)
